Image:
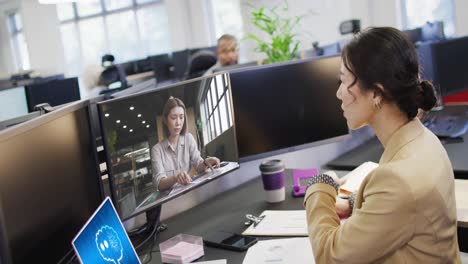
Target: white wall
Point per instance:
(461, 17)
(7, 65)
(189, 24)
(42, 33)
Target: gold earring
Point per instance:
(378, 105)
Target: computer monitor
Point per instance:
(284, 105)
(162, 67)
(236, 66)
(180, 60)
(415, 34)
(446, 63)
(13, 103)
(50, 183)
(433, 31)
(136, 141)
(55, 92)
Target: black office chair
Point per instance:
(112, 75)
(200, 62)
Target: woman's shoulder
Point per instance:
(159, 146)
(189, 137)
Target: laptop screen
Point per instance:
(103, 239)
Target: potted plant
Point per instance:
(282, 43)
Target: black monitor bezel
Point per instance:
(107, 154)
(306, 145)
(57, 113)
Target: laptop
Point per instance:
(103, 239)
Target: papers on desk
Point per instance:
(280, 223)
(278, 251)
(356, 177)
(219, 261)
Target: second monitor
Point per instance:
(160, 143)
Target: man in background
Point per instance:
(227, 52)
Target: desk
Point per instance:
(139, 77)
(227, 212)
(372, 150)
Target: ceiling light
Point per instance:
(139, 115)
(143, 121)
(118, 121)
(107, 115)
(131, 130)
(147, 125)
(131, 107)
(125, 126)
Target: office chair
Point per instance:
(112, 76)
(433, 31)
(200, 62)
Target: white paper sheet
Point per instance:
(219, 261)
(280, 223)
(281, 251)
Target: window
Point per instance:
(128, 29)
(417, 12)
(217, 108)
(227, 18)
(18, 42)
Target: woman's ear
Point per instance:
(378, 92)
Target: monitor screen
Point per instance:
(147, 149)
(161, 64)
(450, 59)
(55, 92)
(236, 66)
(13, 103)
(180, 60)
(287, 104)
(49, 183)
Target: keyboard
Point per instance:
(446, 125)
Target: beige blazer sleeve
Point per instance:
(383, 224)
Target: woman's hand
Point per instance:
(342, 207)
(183, 178)
(212, 163)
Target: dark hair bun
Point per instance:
(428, 99)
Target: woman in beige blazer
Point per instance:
(404, 211)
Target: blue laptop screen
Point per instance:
(104, 240)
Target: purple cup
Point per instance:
(273, 180)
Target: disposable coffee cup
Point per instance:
(273, 180)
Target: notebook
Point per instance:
(103, 239)
(356, 176)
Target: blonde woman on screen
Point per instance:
(173, 157)
(404, 211)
